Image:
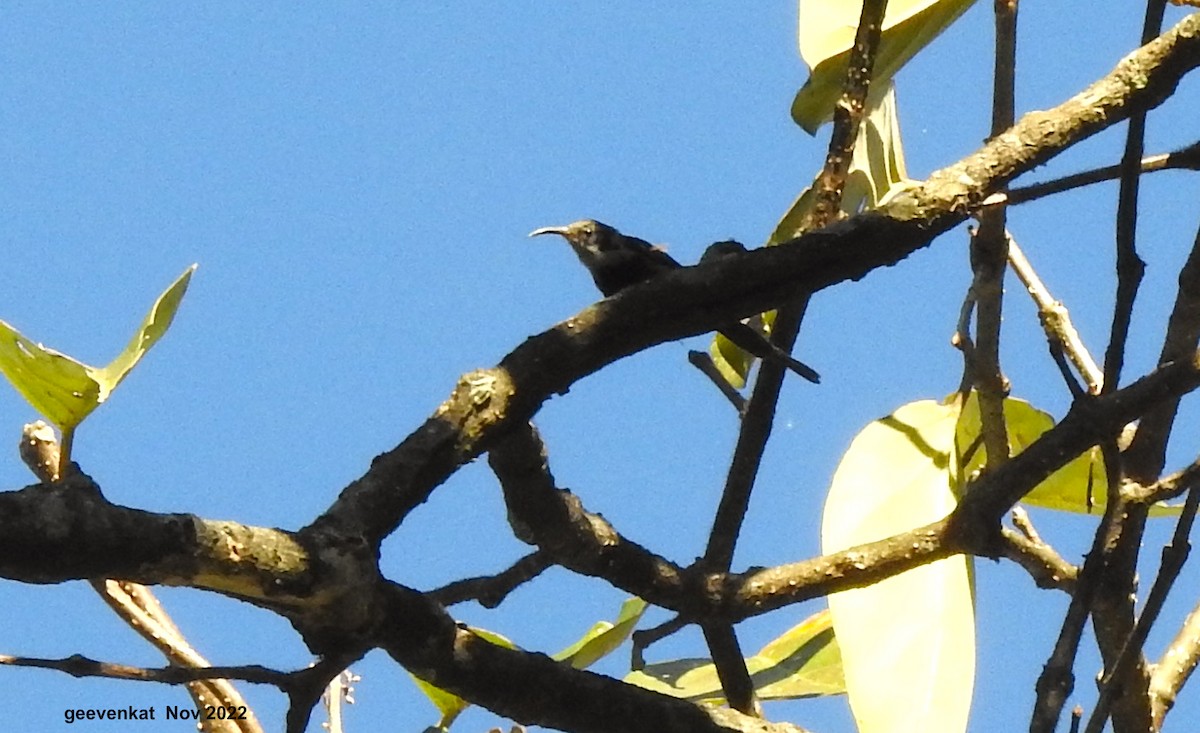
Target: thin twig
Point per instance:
(1166, 488)
(1056, 321)
(491, 590)
(702, 361)
(962, 341)
(726, 651)
(1113, 610)
(644, 638)
(1146, 455)
(1130, 267)
(1043, 563)
(1187, 158)
(77, 665)
(1175, 667)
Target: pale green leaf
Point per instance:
(447, 703)
(732, 361)
(908, 642)
(66, 390)
(827, 29)
(56, 385)
(803, 662)
(153, 326)
(604, 637)
(599, 641)
(1080, 486)
(876, 168)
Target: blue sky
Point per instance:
(356, 182)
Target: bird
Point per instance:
(617, 261)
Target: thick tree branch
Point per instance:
(325, 578)
(696, 299)
(1130, 655)
(350, 607)
(432, 646)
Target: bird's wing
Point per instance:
(654, 253)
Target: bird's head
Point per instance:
(588, 237)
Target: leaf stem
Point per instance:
(64, 452)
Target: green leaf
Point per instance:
(803, 662)
(447, 703)
(731, 360)
(877, 168)
(599, 641)
(57, 386)
(604, 637)
(827, 29)
(907, 642)
(66, 390)
(1080, 486)
(154, 325)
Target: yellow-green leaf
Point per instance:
(876, 168)
(908, 642)
(732, 361)
(56, 385)
(153, 326)
(599, 641)
(604, 637)
(803, 662)
(827, 29)
(66, 390)
(1080, 486)
(447, 703)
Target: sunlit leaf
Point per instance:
(66, 390)
(56, 385)
(153, 326)
(1080, 486)
(732, 361)
(599, 641)
(827, 29)
(876, 168)
(447, 703)
(604, 637)
(803, 662)
(908, 642)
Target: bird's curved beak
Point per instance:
(561, 231)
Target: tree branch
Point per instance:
(694, 300)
